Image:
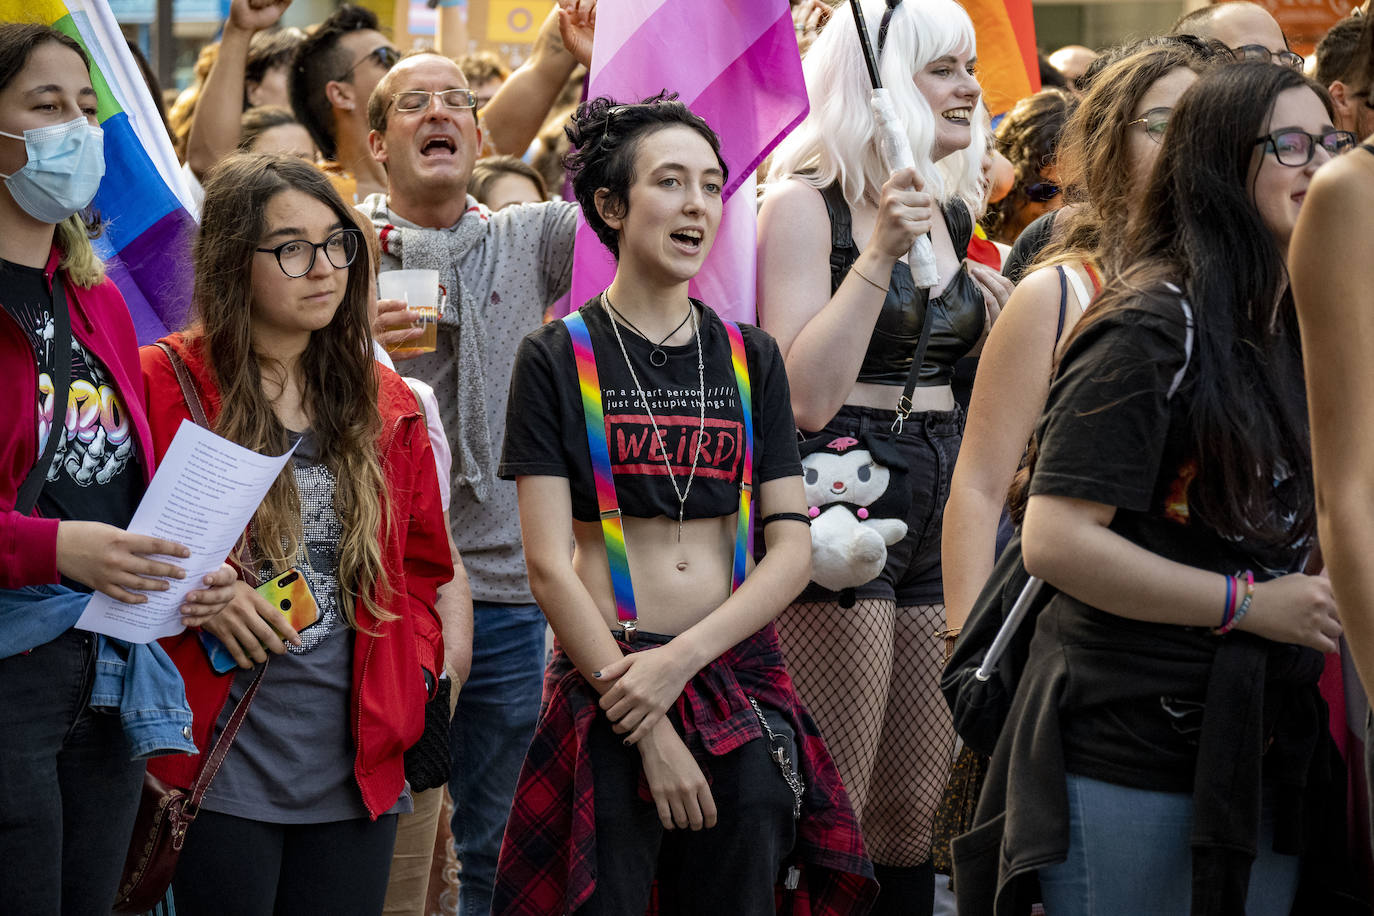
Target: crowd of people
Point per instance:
(757, 545)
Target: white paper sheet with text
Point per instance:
(203, 495)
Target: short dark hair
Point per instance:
(605, 136)
(1338, 53)
(269, 50)
(257, 121)
(318, 60)
(488, 169)
(481, 67)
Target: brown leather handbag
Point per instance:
(164, 814)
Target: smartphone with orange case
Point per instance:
(289, 593)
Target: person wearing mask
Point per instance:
(79, 713)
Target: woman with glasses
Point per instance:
(870, 357)
(301, 816)
(1109, 146)
(1167, 749)
(1029, 137)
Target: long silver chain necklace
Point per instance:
(644, 399)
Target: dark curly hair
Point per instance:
(605, 136)
(1029, 137)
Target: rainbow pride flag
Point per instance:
(143, 198)
(733, 62)
(1008, 68)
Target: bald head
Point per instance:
(1235, 24)
(1072, 60)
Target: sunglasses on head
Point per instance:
(1043, 191)
(386, 57)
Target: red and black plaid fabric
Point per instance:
(548, 857)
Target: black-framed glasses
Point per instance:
(1290, 59)
(1043, 191)
(1156, 122)
(418, 99)
(385, 55)
(296, 258)
(1296, 148)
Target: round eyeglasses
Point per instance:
(1296, 148)
(1290, 59)
(296, 258)
(386, 57)
(418, 99)
(1156, 122)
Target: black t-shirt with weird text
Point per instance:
(95, 473)
(546, 433)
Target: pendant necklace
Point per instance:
(644, 399)
(657, 357)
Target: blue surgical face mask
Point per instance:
(66, 163)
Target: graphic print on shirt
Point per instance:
(98, 443)
(318, 556)
(636, 450)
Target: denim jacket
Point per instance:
(138, 680)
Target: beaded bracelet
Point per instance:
(1244, 608)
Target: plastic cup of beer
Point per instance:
(419, 290)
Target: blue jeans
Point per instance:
(492, 726)
(1129, 855)
(68, 790)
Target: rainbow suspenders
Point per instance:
(611, 528)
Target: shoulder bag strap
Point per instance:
(746, 487)
(215, 759)
(1063, 302)
(27, 496)
(606, 502)
(190, 392)
(904, 405)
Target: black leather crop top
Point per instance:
(960, 312)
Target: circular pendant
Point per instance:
(658, 358)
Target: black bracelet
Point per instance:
(788, 516)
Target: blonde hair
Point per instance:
(79, 260)
(838, 141)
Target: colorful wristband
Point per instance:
(1244, 606)
(1230, 601)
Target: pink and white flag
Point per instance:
(733, 62)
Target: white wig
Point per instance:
(838, 140)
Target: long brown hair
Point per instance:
(338, 376)
(1095, 163)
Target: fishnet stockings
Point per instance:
(870, 675)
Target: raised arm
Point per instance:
(822, 337)
(215, 127)
(1008, 394)
(1333, 285)
(514, 115)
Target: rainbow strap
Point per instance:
(608, 505)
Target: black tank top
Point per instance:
(959, 316)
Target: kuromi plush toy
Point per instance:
(857, 493)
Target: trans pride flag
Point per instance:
(142, 198)
(735, 63)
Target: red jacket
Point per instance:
(388, 690)
(100, 320)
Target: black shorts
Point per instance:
(930, 443)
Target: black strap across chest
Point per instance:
(29, 490)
